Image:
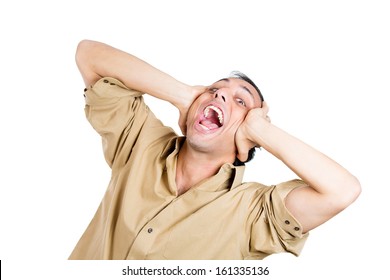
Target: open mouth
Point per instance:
(212, 118)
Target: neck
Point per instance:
(194, 166)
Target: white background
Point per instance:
(323, 67)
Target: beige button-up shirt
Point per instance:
(142, 217)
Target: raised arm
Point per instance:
(331, 187)
(96, 60)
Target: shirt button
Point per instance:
(287, 222)
(105, 81)
(150, 230)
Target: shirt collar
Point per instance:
(228, 176)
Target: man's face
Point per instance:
(214, 117)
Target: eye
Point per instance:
(241, 102)
(212, 90)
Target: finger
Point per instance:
(183, 130)
(243, 151)
(201, 89)
(265, 107)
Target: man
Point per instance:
(176, 197)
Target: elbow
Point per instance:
(83, 48)
(355, 189)
(351, 191)
(86, 53)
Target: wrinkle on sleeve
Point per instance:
(117, 113)
(274, 229)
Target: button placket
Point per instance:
(149, 233)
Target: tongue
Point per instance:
(209, 124)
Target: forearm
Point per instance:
(96, 60)
(318, 170)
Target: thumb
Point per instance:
(242, 154)
(182, 124)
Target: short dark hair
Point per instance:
(242, 76)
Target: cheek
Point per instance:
(192, 112)
(234, 126)
(194, 109)
(237, 118)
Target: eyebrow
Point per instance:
(243, 87)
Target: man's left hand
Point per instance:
(253, 125)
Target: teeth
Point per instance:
(217, 110)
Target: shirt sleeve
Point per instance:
(273, 228)
(117, 113)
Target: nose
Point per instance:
(220, 95)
